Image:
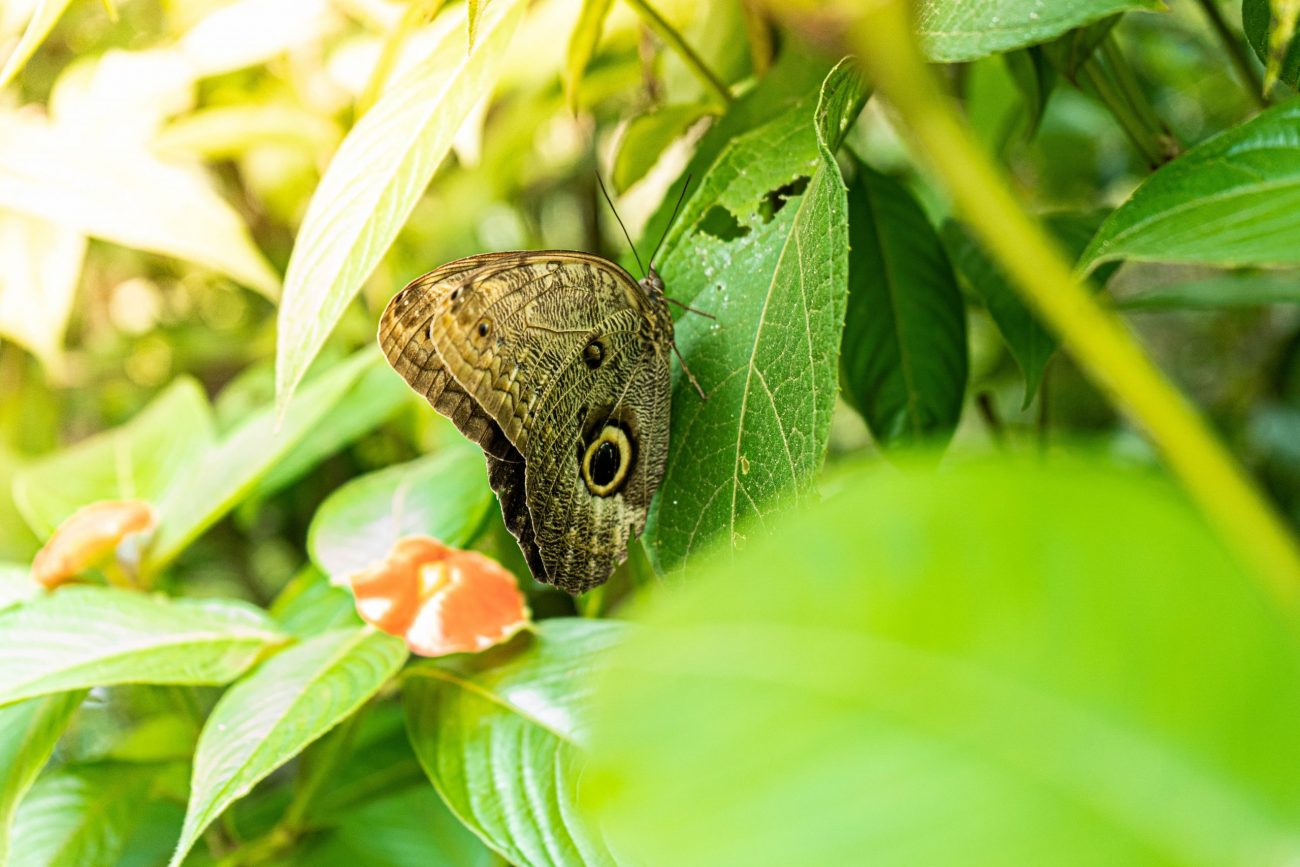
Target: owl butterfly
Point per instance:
(557, 364)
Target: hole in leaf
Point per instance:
(722, 224)
(775, 200)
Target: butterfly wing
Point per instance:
(536, 356)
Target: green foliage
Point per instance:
(955, 30)
(28, 733)
(1257, 20)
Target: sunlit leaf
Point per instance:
(224, 132)
(40, 266)
(501, 736)
(48, 172)
(80, 637)
(248, 32)
(582, 46)
(274, 713)
(45, 15)
(28, 732)
(16, 585)
(647, 137)
(903, 354)
(374, 181)
(956, 30)
(1000, 663)
(142, 459)
(444, 495)
(1229, 201)
(762, 245)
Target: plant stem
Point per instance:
(988, 412)
(1167, 146)
(1250, 78)
(1134, 127)
(1098, 340)
(674, 40)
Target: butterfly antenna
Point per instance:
(620, 223)
(680, 198)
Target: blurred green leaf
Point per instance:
(82, 816)
(763, 245)
(28, 732)
(45, 14)
(309, 605)
(16, 587)
(78, 637)
(40, 266)
(1031, 345)
(375, 179)
(1035, 79)
(46, 171)
(957, 30)
(230, 470)
(903, 351)
(225, 132)
(1068, 53)
(1050, 664)
(140, 459)
(275, 712)
(1229, 201)
(1284, 60)
(647, 137)
(582, 45)
(1245, 289)
(444, 495)
(501, 736)
(17, 541)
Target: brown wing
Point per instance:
(502, 345)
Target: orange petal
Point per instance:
(388, 593)
(88, 536)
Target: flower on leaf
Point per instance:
(440, 600)
(88, 536)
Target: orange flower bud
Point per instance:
(440, 600)
(89, 535)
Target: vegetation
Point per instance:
(982, 548)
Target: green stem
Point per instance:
(1134, 127)
(1095, 337)
(1246, 72)
(1167, 145)
(674, 40)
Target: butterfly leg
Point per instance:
(686, 370)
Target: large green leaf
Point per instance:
(903, 352)
(85, 816)
(956, 30)
(47, 171)
(79, 637)
(45, 14)
(273, 714)
(444, 495)
(763, 245)
(1000, 663)
(1231, 200)
(501, 735)
(141, 459)
(28, 732)
(230, 471)
(375, 179)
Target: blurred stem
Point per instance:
(1098, 340)
(1167, 146)
(1234, 44)
(759, 32)
(111, 8)
(1138, 132)
(1044, 407)
(989, 412)
(674, 40)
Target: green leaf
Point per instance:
(17, 542)
(79, 637)
(40, 266)
(999, 663)
(45, 14)
(903, 355)
(1249, 289)
(957, 30)
(444, 495)
(501, 735)
(647, 137)
(16, 587)
(1257, 21)
(48, 172)
(1035, 79)
(274, 713)
(1229, 201)
(141, 459)
(375, 179)
(410, 828)
(28, 732)
(309, 605)
(1031, 345)
(582, 45)
(230, 471)
(763, 245)
(82, 816)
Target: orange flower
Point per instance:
(88, 536)
(440, 600)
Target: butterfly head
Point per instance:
(652, 283)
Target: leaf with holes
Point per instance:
(501, 736)
(274, 713)
(763, 245)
